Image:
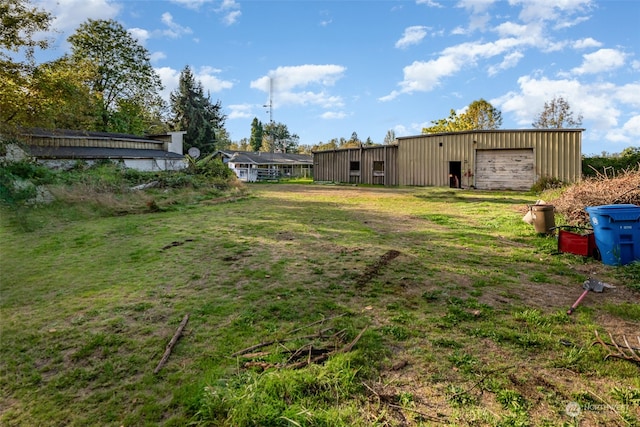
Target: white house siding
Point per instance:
(152, 165)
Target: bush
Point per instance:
(546, 183)
(18, 181)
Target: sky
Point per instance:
(331, 68)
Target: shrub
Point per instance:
(546, 183)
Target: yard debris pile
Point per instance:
(298, 352)
(602, 190)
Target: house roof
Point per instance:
(261, 158)
(100, 153)
(83, 134)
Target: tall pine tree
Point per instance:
(257, 133)
(194, 113)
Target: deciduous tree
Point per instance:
(390, 137)
(557, 114)
(479, 115)
(124, 76)
(279, 139)
(19, 23)
(482, 115)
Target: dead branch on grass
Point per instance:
(624, 352)
(305, 355)
(172, 343)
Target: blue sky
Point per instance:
(369, 66)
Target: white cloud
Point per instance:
(289, 85)
(231, 17)
(230, 10)
(412, 35)
(210, 81)
(240, 111)
(174, 29)
(430, 3)
(140, 34)
(629, 133)
(69, 14)
(628, 94)
(479, 16)
(333, 115)
(632, 126)
(550, 10)
(510, 60)
(586, 43)
(600, 61)
(600, 103)
(191, 4)
(424, 76)
(206, 75)
(157, 56)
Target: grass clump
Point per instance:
(320, 395)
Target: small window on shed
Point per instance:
(354, 166)
(378, 168)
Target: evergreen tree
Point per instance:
(257, 133)
(194, 113)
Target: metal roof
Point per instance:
(99, 153)
(262, 158)
(71, 134)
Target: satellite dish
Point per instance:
(194, 152)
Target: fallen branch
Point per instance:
(325, 356)
(625, 352)
(319, 334)
(172, 343)
(326, 319)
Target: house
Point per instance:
(60, 148)
(483, 159)
(252, 166)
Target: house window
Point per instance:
(378, 168)
(354, 168)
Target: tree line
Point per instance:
(106, 83)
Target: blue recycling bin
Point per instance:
(617, 232)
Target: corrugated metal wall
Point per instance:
(335, 165)
(423, 160)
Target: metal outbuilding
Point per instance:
(484, 159)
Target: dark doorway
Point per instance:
(455, 174)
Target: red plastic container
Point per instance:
(582, 243)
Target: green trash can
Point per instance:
(544, 220)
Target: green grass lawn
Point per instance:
(461, 306)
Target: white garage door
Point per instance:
(505, 169)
